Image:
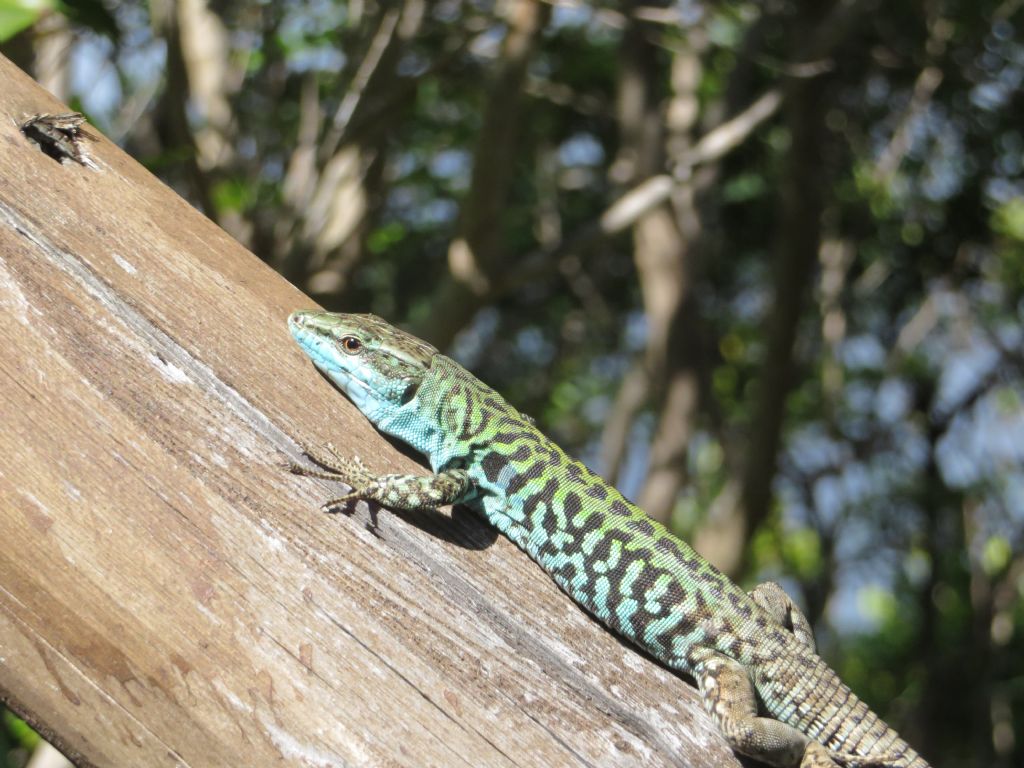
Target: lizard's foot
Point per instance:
(327, 456)
(298, 469)
(339, 504)
(893, 759)
(333, 466)
(816, 756)
(344, 504)
(729, 698)
(356, 494)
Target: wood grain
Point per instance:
(170, 596)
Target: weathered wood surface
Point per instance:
(169, 596)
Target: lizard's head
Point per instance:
(378, 366)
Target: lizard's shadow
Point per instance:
(462, 528)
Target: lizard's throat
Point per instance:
(361, 394)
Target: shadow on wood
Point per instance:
(170, 596)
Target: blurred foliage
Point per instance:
(898, 512)
(17, 740)
(18, 15)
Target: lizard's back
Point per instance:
(624, 567)
(629, 571)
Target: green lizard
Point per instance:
(752, 654)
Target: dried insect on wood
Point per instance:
(60, 136)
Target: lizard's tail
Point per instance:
(800, 689)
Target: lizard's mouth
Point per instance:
(355, 388)
(362, 395)
(312, 343)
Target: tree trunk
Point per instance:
(170, 596)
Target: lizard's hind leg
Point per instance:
(729, 698)
(777, 604)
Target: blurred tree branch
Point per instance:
(717, 143)
(475, 253)
(927, 82)
(629, 207)
(332, 184)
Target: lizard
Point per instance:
(752, 654)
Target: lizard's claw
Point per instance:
(340, 504)
(349, 499)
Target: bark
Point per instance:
(948, 522)
(797, 241)
(670, 369)
(657, 247)
(940, 30)
(211, 79)
(53, 43)
(631, 397)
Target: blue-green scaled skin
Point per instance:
(752, 654)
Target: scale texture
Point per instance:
(752, 654)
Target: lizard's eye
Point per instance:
(351, 345)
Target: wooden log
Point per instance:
(170, 596)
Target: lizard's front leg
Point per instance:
(400, 492)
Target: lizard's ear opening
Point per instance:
(410, 392)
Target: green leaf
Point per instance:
(996, 555)
(383, 238)
(802, 549)
(20, 731)
(877, 604)
(1008, 219)
(18, 15)
(231, 195)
